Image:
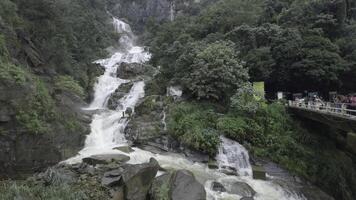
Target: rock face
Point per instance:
(147, 122)
(138, 12)
(177, 185)
(23, 152)
(137, 180)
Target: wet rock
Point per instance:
(112, 178)
(196, 156)
(84, 168)
(160, 187)
(110, 181)
(216, 186)
(186, 187)
(212, 164)
(177, 185)
(230, 171)
(125, 149)
(241, 189)
(106, 159)
(120, 92)
(137, 179)
(258, 172)
(130, 70)
(146, 123)
(247, 198)
(118, 194)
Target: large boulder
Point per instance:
(136, 71)
(120, 92)
(259, 172)
(125, 149)
(241, 189)
(112, 178)
(147, 122)
(186, 187)
(216, 186)
(137, 179)
(130, 70)
(177, 185)
(106, 159)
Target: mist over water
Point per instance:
(107, 131)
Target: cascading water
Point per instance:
(234, 156)
(108, 125)
(107, 131)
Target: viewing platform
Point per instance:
(341, 116)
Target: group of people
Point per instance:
(350, 100)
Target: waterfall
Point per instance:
(107, 127)
(107, 130)
(235, 156)
(172, 6)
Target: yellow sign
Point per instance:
(259, 88)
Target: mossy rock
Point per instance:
(259, 172)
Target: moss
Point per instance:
(67, 83)
(163, 192)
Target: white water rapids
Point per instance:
(107, 131)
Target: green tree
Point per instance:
(215, 72)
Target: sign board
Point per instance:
(279, 95)
(259, 88)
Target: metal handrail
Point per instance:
(327, 107)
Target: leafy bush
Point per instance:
(234, 128)
(38, 110)
(67, 83)
(17, 190)
(245, 100)
(194, 126)
(241, 129)
(12, 74)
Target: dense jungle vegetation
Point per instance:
(291, 45)
(47, 48)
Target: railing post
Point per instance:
(343, 109)
(328, 107)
